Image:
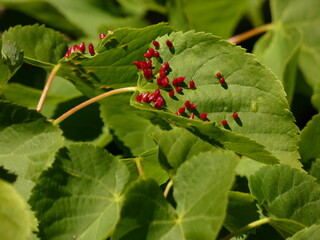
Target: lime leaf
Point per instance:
(289, 19)
(315, 169)
(286, 227)
(145, 213)
(42, 47)
(309, 146)
(288, 193)
(200, 191)
(28, 144)
(178, 145)
(79, 197)
(311, 233)
(15, 218)
(250, 90)
(129, 125)
(10, 62)
(150, 166)
(282, 45)
(205, 16)
(240, 204)
(108, 68)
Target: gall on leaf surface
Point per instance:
(80, 195)
(200, 191)
(28, 143)
(112, 65)
(264, 124)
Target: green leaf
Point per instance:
(150, 166)
(178, 145)
(205, 16)
(200, 191)
(251, 90)
(285, 45)
(309, 146)
(42, 47)
(315, 169)
(80, 196)
(10, 62)
(289, 18)
(15, 218)
(241, 211)
(286, 227)
(288, 193)
(60, 91)
(108, 68)
(129, 125)
(28, 143)
(311, 233)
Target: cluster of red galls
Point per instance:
(82, 47)
(163, 82)
(151, 97)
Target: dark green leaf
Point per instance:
(251, 90)
(201, 192)
(309, 146)
(150, 166)
(286, 227)
(112, 65)
(178, 145)
(80, 196)
(315, 169)
(129, 125)
(10, 62)
(241, 211)
(28, 143)
(42, 46)
(288, 193)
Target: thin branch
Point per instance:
(247, 227)
(139, 166)
(168, 188)
(47, 86)
(92, 100)
(251, 33)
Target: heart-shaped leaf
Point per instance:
(290, 21)
(10, 61)
(287, 193)
(112, 65)
(309, 146)
(80, 196)
(227, 81)
(311, 233)
(15, 218)
(42, 46)
(200, 190)
(28, 143)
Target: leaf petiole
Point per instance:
(92, 100)
(168, 188)
(251, 33)
(47, 86)
(247, 227)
